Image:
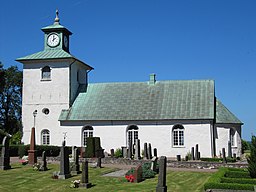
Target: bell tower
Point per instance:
(52, 79)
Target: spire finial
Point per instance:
(57, 19)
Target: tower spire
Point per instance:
(57, 19)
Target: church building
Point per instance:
(171, 115)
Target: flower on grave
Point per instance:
(55, 175)
(75, 184)
(24, 160)
(129, 178)
(37, 167)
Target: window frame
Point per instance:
(87, 131)
(178, 136)
(132, 133)
(45, 137)
(46, 69)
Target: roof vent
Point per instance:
(152, 79)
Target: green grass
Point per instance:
(24, 178)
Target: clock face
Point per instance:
(53, 40)
(65, 41)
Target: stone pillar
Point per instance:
(192, 153)
(149, 151)
(196, 153)
(161, 186)
(155, 152)
(229, 149)
(145, 155)
(76, 167)
(137, 149)
(224, 155)
(85, 177)
(44, 162)
(5, 156)
(112, 152)
(32, 158)
(64, 162)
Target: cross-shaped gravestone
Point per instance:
(64, 162)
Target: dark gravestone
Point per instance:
(5, 156)
(75, 168)
(112, 152)
(85, 177)
(192, 153)
(124, 150)
(178, 158)
(234, 155)
(155, 152)
(149, 151)
(137, 149)
(196, 153)
(145, 153)
(224, 155)
(229, 149)
(161, 185)
(99, 162)
(44, 162)
(32, 158)
(138, 174)
(64, 162)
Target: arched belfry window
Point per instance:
(132, 134)
(178, 136)
(87, 131)
(45, 137)
(46, 73)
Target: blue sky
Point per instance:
(126, 40)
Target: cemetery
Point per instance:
(132, 169)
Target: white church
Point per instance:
(171, 115)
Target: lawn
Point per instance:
(24, 178)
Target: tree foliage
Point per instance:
(252, 158)
(10, 99)
(245, 146)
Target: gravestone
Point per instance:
(99, 162)
(44, 162)
(224, 155)
(234, 155)
(192, 153)
(112, 152)
(124, 151)
(64, 162)
(138, 174)
(196, 153)
(130, 151)
(161, 185)
(149, 151)
(178, 158)
(145, 152)
(5, 155)
(76, 167)
(154, 164)
(32, 158)
(229, 149)
(73, 153)
(85, 178)
(155, 152)
(137, 149)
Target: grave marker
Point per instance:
(85, 178)
(64, 162)
(32, 158)
(161, 186)
(5, 156)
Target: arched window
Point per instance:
(178, 136)
(87, 131)
(45, 137)
(46, 73)
(132, 134)
(232, 137)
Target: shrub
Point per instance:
(237, 174)
(146, 171)
(252, 158)
(90, 148)
(118, 153)
(238, 180)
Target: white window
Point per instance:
(46, 73)
(178, 136)
(87, 131)
(132, 134)
(232, 137)
(45, 137)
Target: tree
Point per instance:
(10, 99)
(245, 146)
(252, 158)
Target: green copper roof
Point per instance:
(49, 54)
(164, 100)
(223, 115)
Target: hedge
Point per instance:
(216, 181)
(238, 180)
(231, 160)
(237, 174)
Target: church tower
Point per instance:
(51, 81)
